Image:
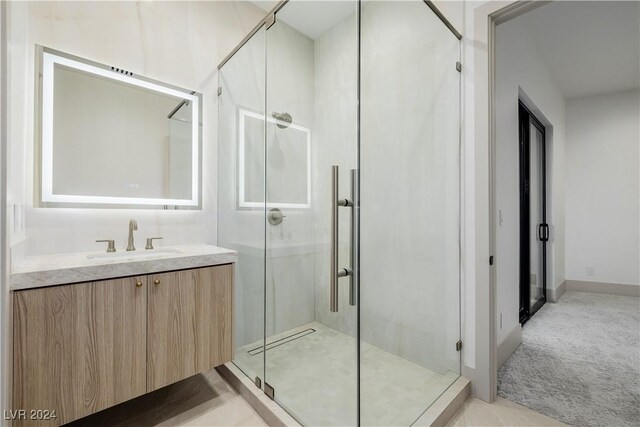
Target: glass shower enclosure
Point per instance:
(339, 186)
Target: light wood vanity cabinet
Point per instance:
(189, 323)
(84, 347)
(79, 348)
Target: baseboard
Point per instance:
(447, 405)
(269, 410)
(553, 295)
(509, 344)
(603, 288)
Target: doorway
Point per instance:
(534, 230)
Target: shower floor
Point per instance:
(314, 377)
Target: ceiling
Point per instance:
(590, 47)
(312, 18)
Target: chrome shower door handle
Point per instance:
(336, 272)
(333, 287)
(355, 199)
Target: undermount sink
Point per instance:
(134, 255)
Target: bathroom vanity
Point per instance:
(92, 331)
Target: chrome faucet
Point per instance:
(133, 225)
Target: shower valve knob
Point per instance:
(275, 216)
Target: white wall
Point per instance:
(603, 188)
(521, 72)
(177, 43)
(5, 310)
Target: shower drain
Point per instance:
(281, 341)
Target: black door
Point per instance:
(534, 230)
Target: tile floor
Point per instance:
(207, 400)
(315, 381)
(502, 412)
(202, 400)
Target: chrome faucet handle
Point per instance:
(111, 247)
(150, 242)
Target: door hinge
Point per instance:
(491, 260)
(269, 21)
(269, 391)
(459, 346)
(219, 90)
(258, 382)
(459, 66)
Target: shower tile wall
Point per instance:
(242, 84)
(410, 184)
(290, 245)
(403, 310)
(336, 61)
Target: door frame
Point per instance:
(526, 118)
(480, 139)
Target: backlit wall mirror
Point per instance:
(110, 138)
(288, 154)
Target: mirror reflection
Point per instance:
(288, 155)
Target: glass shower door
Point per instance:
(347, 285)
(311, 147)
(409, 211)
(241, 210)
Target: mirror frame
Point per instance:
(48, 58)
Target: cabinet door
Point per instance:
(189, 323)
(79, 348)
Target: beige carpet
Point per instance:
(579, 361)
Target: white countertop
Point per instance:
(48, 270)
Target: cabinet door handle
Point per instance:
(138, 284)
(156, 282)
